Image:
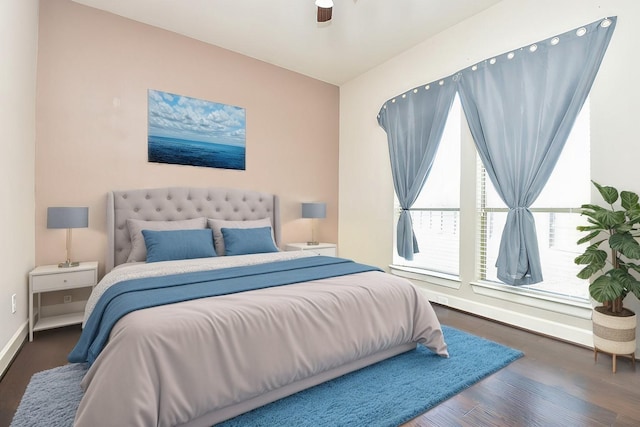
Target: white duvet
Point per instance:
(180, 363)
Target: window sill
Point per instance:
(440, 279)
(564, 305)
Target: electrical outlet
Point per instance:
(67, 299)
(13, 303)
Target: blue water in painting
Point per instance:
(195, 153)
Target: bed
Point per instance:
(196, 341)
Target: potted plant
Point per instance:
(608, 260)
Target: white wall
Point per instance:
(18, 50)
(366, 190)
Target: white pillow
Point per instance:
(135, 226)
(218, 224)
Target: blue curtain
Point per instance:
(521, 107)
(414, 122)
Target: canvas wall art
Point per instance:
(191, 131)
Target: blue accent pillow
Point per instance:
(243, 241)
(178, 244)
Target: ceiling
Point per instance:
(361, 35)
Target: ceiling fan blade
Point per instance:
(324, 14)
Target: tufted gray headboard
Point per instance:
(176, 203)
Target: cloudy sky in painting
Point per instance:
(176, 116)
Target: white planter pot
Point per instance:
(615, 335)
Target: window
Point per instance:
(436, 212)
(556, 212)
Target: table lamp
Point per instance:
(314, 211)
(68, 217)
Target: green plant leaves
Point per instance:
(609, 194)
(628, 200)
(605, 288)
(630, 265)
(620, 225)
(625, 244)
(595, 259)
(633, 215)
(589, 236)
(604, 218)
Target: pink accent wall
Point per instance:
(94, 69)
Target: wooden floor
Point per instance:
(555, 384)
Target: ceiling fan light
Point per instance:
(325, 4)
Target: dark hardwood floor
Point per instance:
(47, 350)
(555, 384)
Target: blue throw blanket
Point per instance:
(130, 295)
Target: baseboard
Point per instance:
(572, 334)
(10, 350)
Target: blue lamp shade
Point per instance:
(314, 210)
(68, 217)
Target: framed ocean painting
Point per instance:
(195, 132)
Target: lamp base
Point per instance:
(313, 243)
(68, 264)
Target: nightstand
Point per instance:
(49, 278)
(328, 249)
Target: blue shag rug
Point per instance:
(388, 393)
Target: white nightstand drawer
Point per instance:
(68, 280)
(324, 251)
